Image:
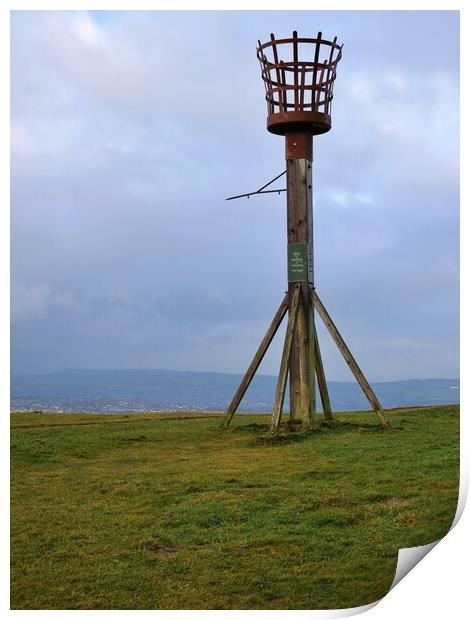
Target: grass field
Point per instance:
(152, 511)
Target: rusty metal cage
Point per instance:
(299, 92)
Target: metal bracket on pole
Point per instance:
(262, 190)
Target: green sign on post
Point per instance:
(297, 263)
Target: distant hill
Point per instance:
(169, 390)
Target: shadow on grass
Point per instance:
(370, 428)
(294, 431)
(291, 432)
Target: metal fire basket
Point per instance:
(299, 92)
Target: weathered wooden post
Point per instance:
(299, 94)
(299, 91)
(300, 269)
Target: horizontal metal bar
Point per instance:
(262, 188)
(267, 191)
(316, 41)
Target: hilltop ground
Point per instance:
(148, 511)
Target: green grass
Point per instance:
(153, 511)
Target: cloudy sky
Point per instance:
(130, 128)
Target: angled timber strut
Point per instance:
(298, 74)
(350, 361)
(286, 354)
(253, 367)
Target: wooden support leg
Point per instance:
(301, 370)
(313, 348)
(282, 379)
(351, 362)
(263, 347)
(322, 386)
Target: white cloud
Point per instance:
(34, 302)
(28, 303)
(87, 30)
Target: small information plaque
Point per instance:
(297, 263)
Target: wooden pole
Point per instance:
(286, 355)
(322, 386)
(351, 362)
(253, 367)
(300, 271)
